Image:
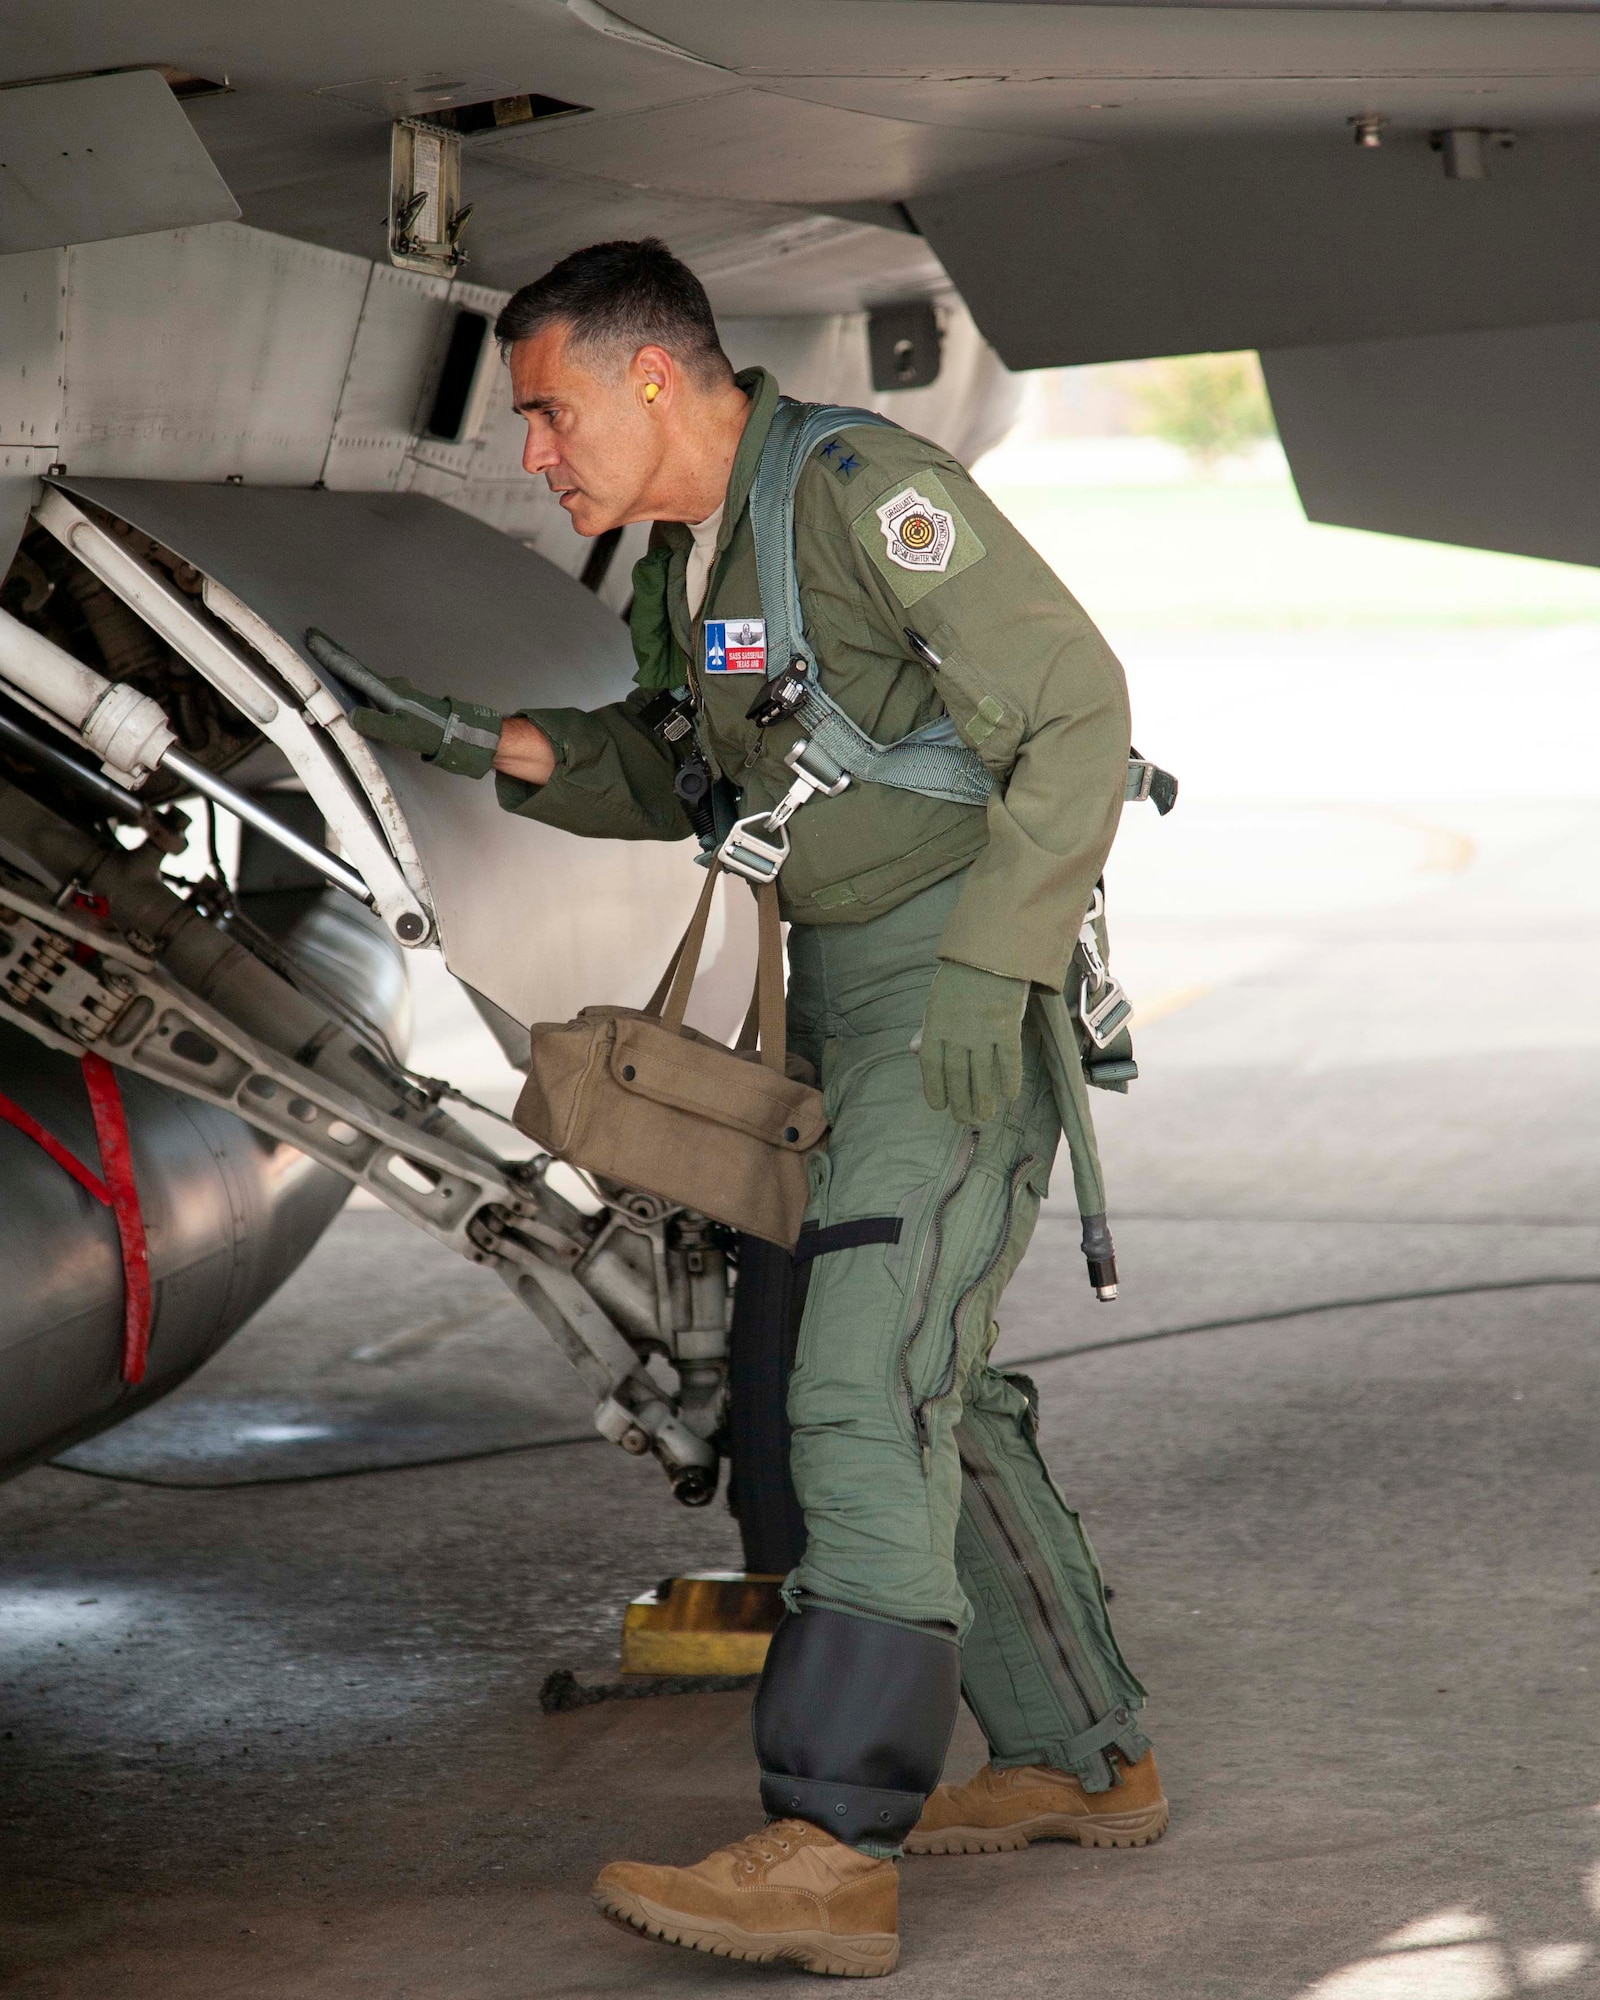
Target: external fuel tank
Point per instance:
(228, 1212)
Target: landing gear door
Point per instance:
(536, 920)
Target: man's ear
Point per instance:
(655, 376)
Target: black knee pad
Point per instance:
(852, 1721)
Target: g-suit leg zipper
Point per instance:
(1044, 1624)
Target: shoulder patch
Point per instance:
(918, 536)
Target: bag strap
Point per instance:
(671, 996)
(653, 1004)
(768, 1001)
(764, 1024)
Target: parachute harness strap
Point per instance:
(834, 749)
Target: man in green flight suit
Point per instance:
(926, 934)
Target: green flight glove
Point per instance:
(456, 736)
(971, 1043)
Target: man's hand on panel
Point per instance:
(457, 736)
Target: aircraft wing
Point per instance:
(1095, 181)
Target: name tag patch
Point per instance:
(736, 646)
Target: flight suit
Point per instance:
(940, 1553)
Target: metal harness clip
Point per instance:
(1103, 1010)
(744, 851)
(1103, 1006)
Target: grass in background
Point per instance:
(1199, 528)
(1213, 406)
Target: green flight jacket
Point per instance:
(1030, 683)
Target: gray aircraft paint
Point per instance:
(101, 156)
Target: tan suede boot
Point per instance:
(998, 1811)
(790, 1894)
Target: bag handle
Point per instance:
(764, 1025)
(766, 1002)
(767, 999)
(671, 996)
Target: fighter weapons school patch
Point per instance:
(917, 534)
(918, 537)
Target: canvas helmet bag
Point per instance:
(635, 1096)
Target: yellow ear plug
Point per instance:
(651, 391)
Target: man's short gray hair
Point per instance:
(615, 298)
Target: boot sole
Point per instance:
(868, 1956)
(1127, 1829)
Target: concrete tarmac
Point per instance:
(283, 1739)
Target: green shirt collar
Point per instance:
(762, 389)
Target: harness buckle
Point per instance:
(812, 766)
(1103, 1009)
(744, 851)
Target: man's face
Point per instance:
(591, 437)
